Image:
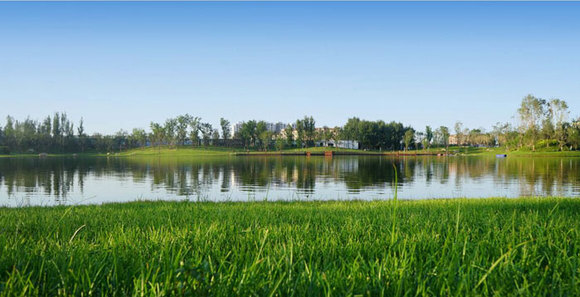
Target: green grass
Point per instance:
(457, 247)
(484, 151)
(212, 151)
(178, 152)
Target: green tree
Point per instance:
(459, 133)
(247, 132)
(170, 131)
(138, 137)
(261, 127)
(531, 112)
(289, 133)
(225, 124)
(309, 130)
(300, 137)
(280, 143)
(81, 135)
(195, 125)
(206, 132)
(561, 134)
(265, 139)
(182, 124)
(573, 134)
(9, 133)
(443, 133)
(429, 135)
(409, 138)
(157, 134)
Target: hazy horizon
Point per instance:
(123, 65)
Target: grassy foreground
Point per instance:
(440, 247)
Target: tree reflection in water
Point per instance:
(59, 178)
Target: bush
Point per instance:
(547, 143)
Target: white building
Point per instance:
(347, 144)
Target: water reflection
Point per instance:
(76, 180)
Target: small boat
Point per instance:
(501, 156)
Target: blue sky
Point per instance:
(122, 65)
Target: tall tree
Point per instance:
(531, 111)
(246, 133)
(170, 131)
(225, 124)
(182, 124)
(573, 134)
(444, 136)
(289, 133)
(300, 133)
(309, 130)
(429, 135)
(195, 125)
(157, 134)
(81, 135)
(261, 127)
(138, 137)
(409, 138)
(459, 133)
(9, 133)
(206, 132)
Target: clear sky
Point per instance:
(122, 65)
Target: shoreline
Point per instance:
(315, 151)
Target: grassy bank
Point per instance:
(439, 247)
(221, 151)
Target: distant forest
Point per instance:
(541, 123)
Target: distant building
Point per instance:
(347, 144)
(452, 140)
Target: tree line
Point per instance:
(541, 123)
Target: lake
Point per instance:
(67, 181)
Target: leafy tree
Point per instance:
(215, 135)
(350, 130)
(280, 143)
(56, 129)
(225, 124)
(138, 137)
(206, 132)
(265, 138)
(443, 133)
(561, 134)
(573, 133)
(170, 131)
(300, 133)
(261, 127)
(289, 132)
(195, 125)
(120, 140)
(309, 130)
(531, 111)
(9, 133)
(247, 132)
(81, 135)
(409, 138)
(182, 124)
(459, 133)
(429, 135)
(158, 134)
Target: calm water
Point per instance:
(53, 181)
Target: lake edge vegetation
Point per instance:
(543, 126)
